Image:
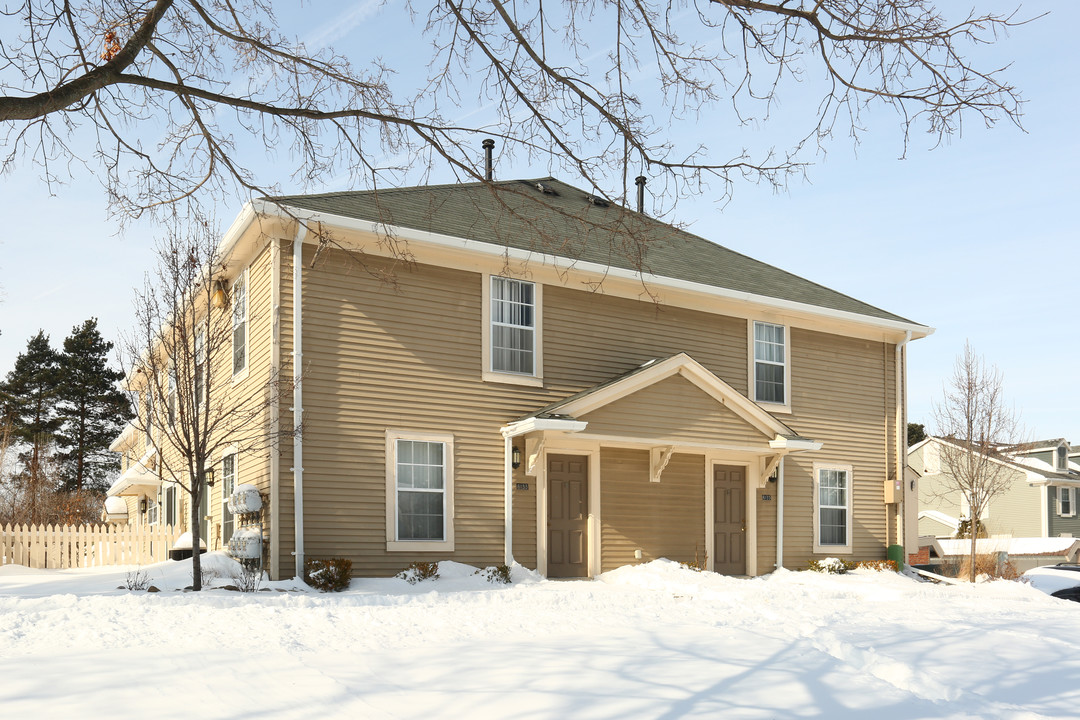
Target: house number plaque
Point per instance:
(523, 486)
(766, 497)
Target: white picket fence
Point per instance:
(80, 546)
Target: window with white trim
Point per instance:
(172, 396)
(770, 363)
(199, 366)
(228, 484)
(1066, 502)
(152, 509)
(420, 487)
(171, 506)
(832, 508)
(1061, 459)
(239, 323)
(513, 326)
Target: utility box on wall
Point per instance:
(894, 491)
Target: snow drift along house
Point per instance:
(522, 391)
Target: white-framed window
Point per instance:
(512, 331)
(1066, 502)
(171, 400)
(419, 491)
(240, 324)
(770, 370)
(172, 506)
(153, 509)
(228, 484)
(832, 508)
(199, 365)
(1061, 459)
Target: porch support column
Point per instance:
(780, 514)
(508, 500)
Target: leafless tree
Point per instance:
(977, 427)
(174, 93)
(180, 361)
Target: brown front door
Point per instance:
(729, 521)
(568, 516)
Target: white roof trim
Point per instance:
(785, 443)
(124, 438)
(139, 475)
(438, 239)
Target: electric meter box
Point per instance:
(894, 491)
(245, 499)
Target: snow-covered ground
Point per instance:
(653, 641)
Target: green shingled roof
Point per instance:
(563, 222)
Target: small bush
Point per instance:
(498, 574)
(994, 565)
(963, 530)
(248, 576)
(137, 579)
(419, 571)
(879, 565)
(328, 575)
(695, 564)
(831, 566)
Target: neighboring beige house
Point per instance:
(521, 391)
(1040, 501)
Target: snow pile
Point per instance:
(650, 641)
(1012, 546)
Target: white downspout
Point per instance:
(901, 443)
(298, 399)
(780, 513)
(508, 500)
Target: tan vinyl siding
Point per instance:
(673, 408)
(525, 519)
(664, 519)
(766, 526)
(843, 395)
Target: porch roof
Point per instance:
(565, 412)
(139, 479)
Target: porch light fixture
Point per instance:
(218, 297)
(142, 505)
(515, 457)
(210, 478)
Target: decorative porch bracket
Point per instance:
(658, 460)
(768, 467)
(534, 449)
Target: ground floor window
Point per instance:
(228, 484)
(171, 509)
(419, 490)
(1066, 501)
(832, 508)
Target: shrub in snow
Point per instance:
(137, 579)
(832, 566)
(248, 575)
(879, 565)
(419, 571)
(496, 574)
(328, 575)
(963, 529)
(695, 564)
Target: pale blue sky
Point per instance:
(975, 238)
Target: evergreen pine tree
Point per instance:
(29, 402)
(92, 410)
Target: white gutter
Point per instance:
(780, 514)
(901, 443)
(508, 501)
(275, 409)
(298, 398)
(504, 252)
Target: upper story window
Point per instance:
(239, 324)
(199, 366)
(770, 365)
(1061, 459)
(1066, 501)
(512, 331)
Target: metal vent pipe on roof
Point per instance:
(640, 181)
(488, 146)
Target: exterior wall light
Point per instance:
(515, 457)
(218, 297)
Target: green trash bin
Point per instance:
(896, 552)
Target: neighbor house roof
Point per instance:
(567, 222)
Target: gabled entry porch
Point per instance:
(667, 460)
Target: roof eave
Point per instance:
(267, 207)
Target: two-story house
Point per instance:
(554, 380)
(1039, 499)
